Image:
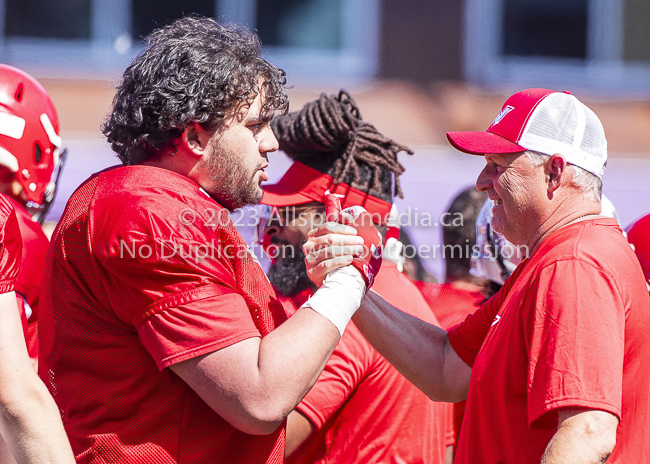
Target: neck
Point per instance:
(14, 191)
(551, 224)
(178, 162)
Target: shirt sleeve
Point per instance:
(186, 331)
(346, 367)
(576, 336)
(11, 246)
(175, 284)
(467, 338)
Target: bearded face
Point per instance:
(289, 273)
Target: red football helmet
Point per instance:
(639, 237)
(29, 137)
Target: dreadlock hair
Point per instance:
(192, 70)
(329, 135)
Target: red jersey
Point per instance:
(363, 409)
(144, 271)
(567, 330)
(10, 245)
(32, 265)
(451, 305)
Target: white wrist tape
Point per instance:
(339, 297)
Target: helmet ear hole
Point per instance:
(19, 92)
(38, 153)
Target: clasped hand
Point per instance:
(330, 246)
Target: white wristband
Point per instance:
(339, 297)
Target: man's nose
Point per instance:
(483, 182)
(272, 228)
(269, 143)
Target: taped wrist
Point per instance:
(339, 297)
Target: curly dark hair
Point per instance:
(193, 70)
(329, 135)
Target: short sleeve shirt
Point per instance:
(10, 245)
(35, 245)
(30, 277)
(364, 410)
(567, 330)
(145, 271)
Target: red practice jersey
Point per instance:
(364, 410)
(11, 245)
(450, 304)
(32, 265)
(569, 329)
(145, 271)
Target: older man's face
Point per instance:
(519, 191)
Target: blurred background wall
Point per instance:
(417, 68)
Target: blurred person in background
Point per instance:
(30, 152)
(638, 234)
(30, 425)
(554, 364)
(461, 294)
(411, 263)
(162, 340)
(361, 410)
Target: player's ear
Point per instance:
(195, 138)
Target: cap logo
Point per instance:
(502, 114)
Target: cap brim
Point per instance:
(280, 195)
(479, 143)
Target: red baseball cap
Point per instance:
(544, 121)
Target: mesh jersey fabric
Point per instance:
(145, 270)
(450, 304)
(364, 410)
(10, 245)
(32, 265)
(567, 330)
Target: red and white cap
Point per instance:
(544, 121)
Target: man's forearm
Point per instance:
(298, 430)
(420, 351)
(583, 437)
(29, 419)
(32, 427)
(254, 384)
(293, 356)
